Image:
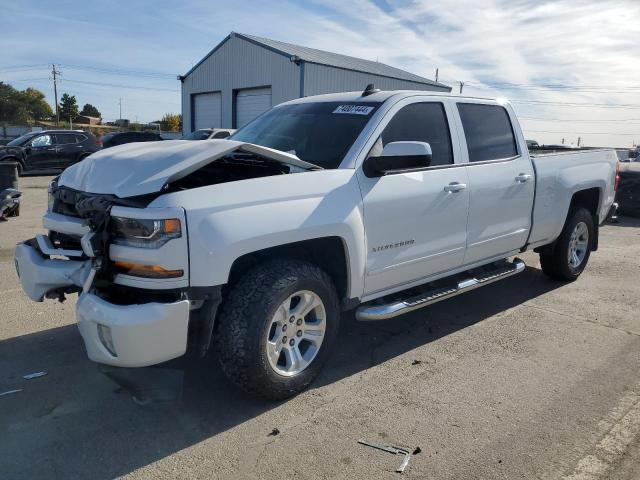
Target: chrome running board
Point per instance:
(397, 307)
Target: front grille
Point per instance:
(65, 202)
(62, 240)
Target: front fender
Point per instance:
(227, 221)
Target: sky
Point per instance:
(570, 67)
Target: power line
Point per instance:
(581, 133)
(114, 71)
(630, 121)
(17, 68)
(113, 85)
(577, 104)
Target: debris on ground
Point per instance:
(416, 451)
(274, 432)
(9, 392)
(391, 449)
(416, 362)
(34, 375)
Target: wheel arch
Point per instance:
(590, 199)
(13, 158)
(329, 253)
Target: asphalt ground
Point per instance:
(525, 378)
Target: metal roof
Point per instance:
(321, 57)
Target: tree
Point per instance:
(25, 106)
(37, 107)
(68, 107)
(171, 122)
(90, 111)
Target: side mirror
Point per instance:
(398, 156)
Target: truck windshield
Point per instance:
(319, 133)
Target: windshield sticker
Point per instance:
(353, 109)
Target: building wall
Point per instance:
(240, 64)
(319, 79)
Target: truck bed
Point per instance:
(561, 173)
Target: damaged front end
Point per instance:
(127, 317)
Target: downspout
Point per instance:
(302, 64)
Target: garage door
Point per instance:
(207, 110)
(250, 103)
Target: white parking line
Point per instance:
(622, 426)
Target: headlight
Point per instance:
(144, 233)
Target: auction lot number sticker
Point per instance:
(353, 109)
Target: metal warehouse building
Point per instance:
(245, 75)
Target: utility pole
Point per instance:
(578, 141)
(436, 75)
(461, 85)
(120, 103)
(55, 72)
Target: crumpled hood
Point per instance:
(141, 168)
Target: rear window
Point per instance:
(488, 131)
(65, 138)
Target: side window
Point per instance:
(41, 141)
(488, 131)
(422, 122)
(65, 138)
(223, 134)
(80, 138)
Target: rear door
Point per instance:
(501, 181)
(68, 149)
(414, 226)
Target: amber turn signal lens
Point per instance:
(146, 271)
(171, 225)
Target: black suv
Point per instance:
(49, 149)
(120, 138)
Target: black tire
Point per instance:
(555, 261)
(245, 318)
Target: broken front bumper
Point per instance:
(40, 276)
(122, 335)
(132, 335)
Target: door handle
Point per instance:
(454, 187)
(523, 177)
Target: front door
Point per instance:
(42, 152)
(501, 180)
(415, 223)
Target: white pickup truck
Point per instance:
(382, 202)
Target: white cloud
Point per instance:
(571, 42)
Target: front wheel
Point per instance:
(276, 328)
(571, 252)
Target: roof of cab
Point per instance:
(378, 97)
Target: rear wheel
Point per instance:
(571, 252)
(276, 328)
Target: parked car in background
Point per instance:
(628, 194)
(634, 153)
(49, 149)
(532, 144)
(120, 138)
(383, 202)
(209, 133)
